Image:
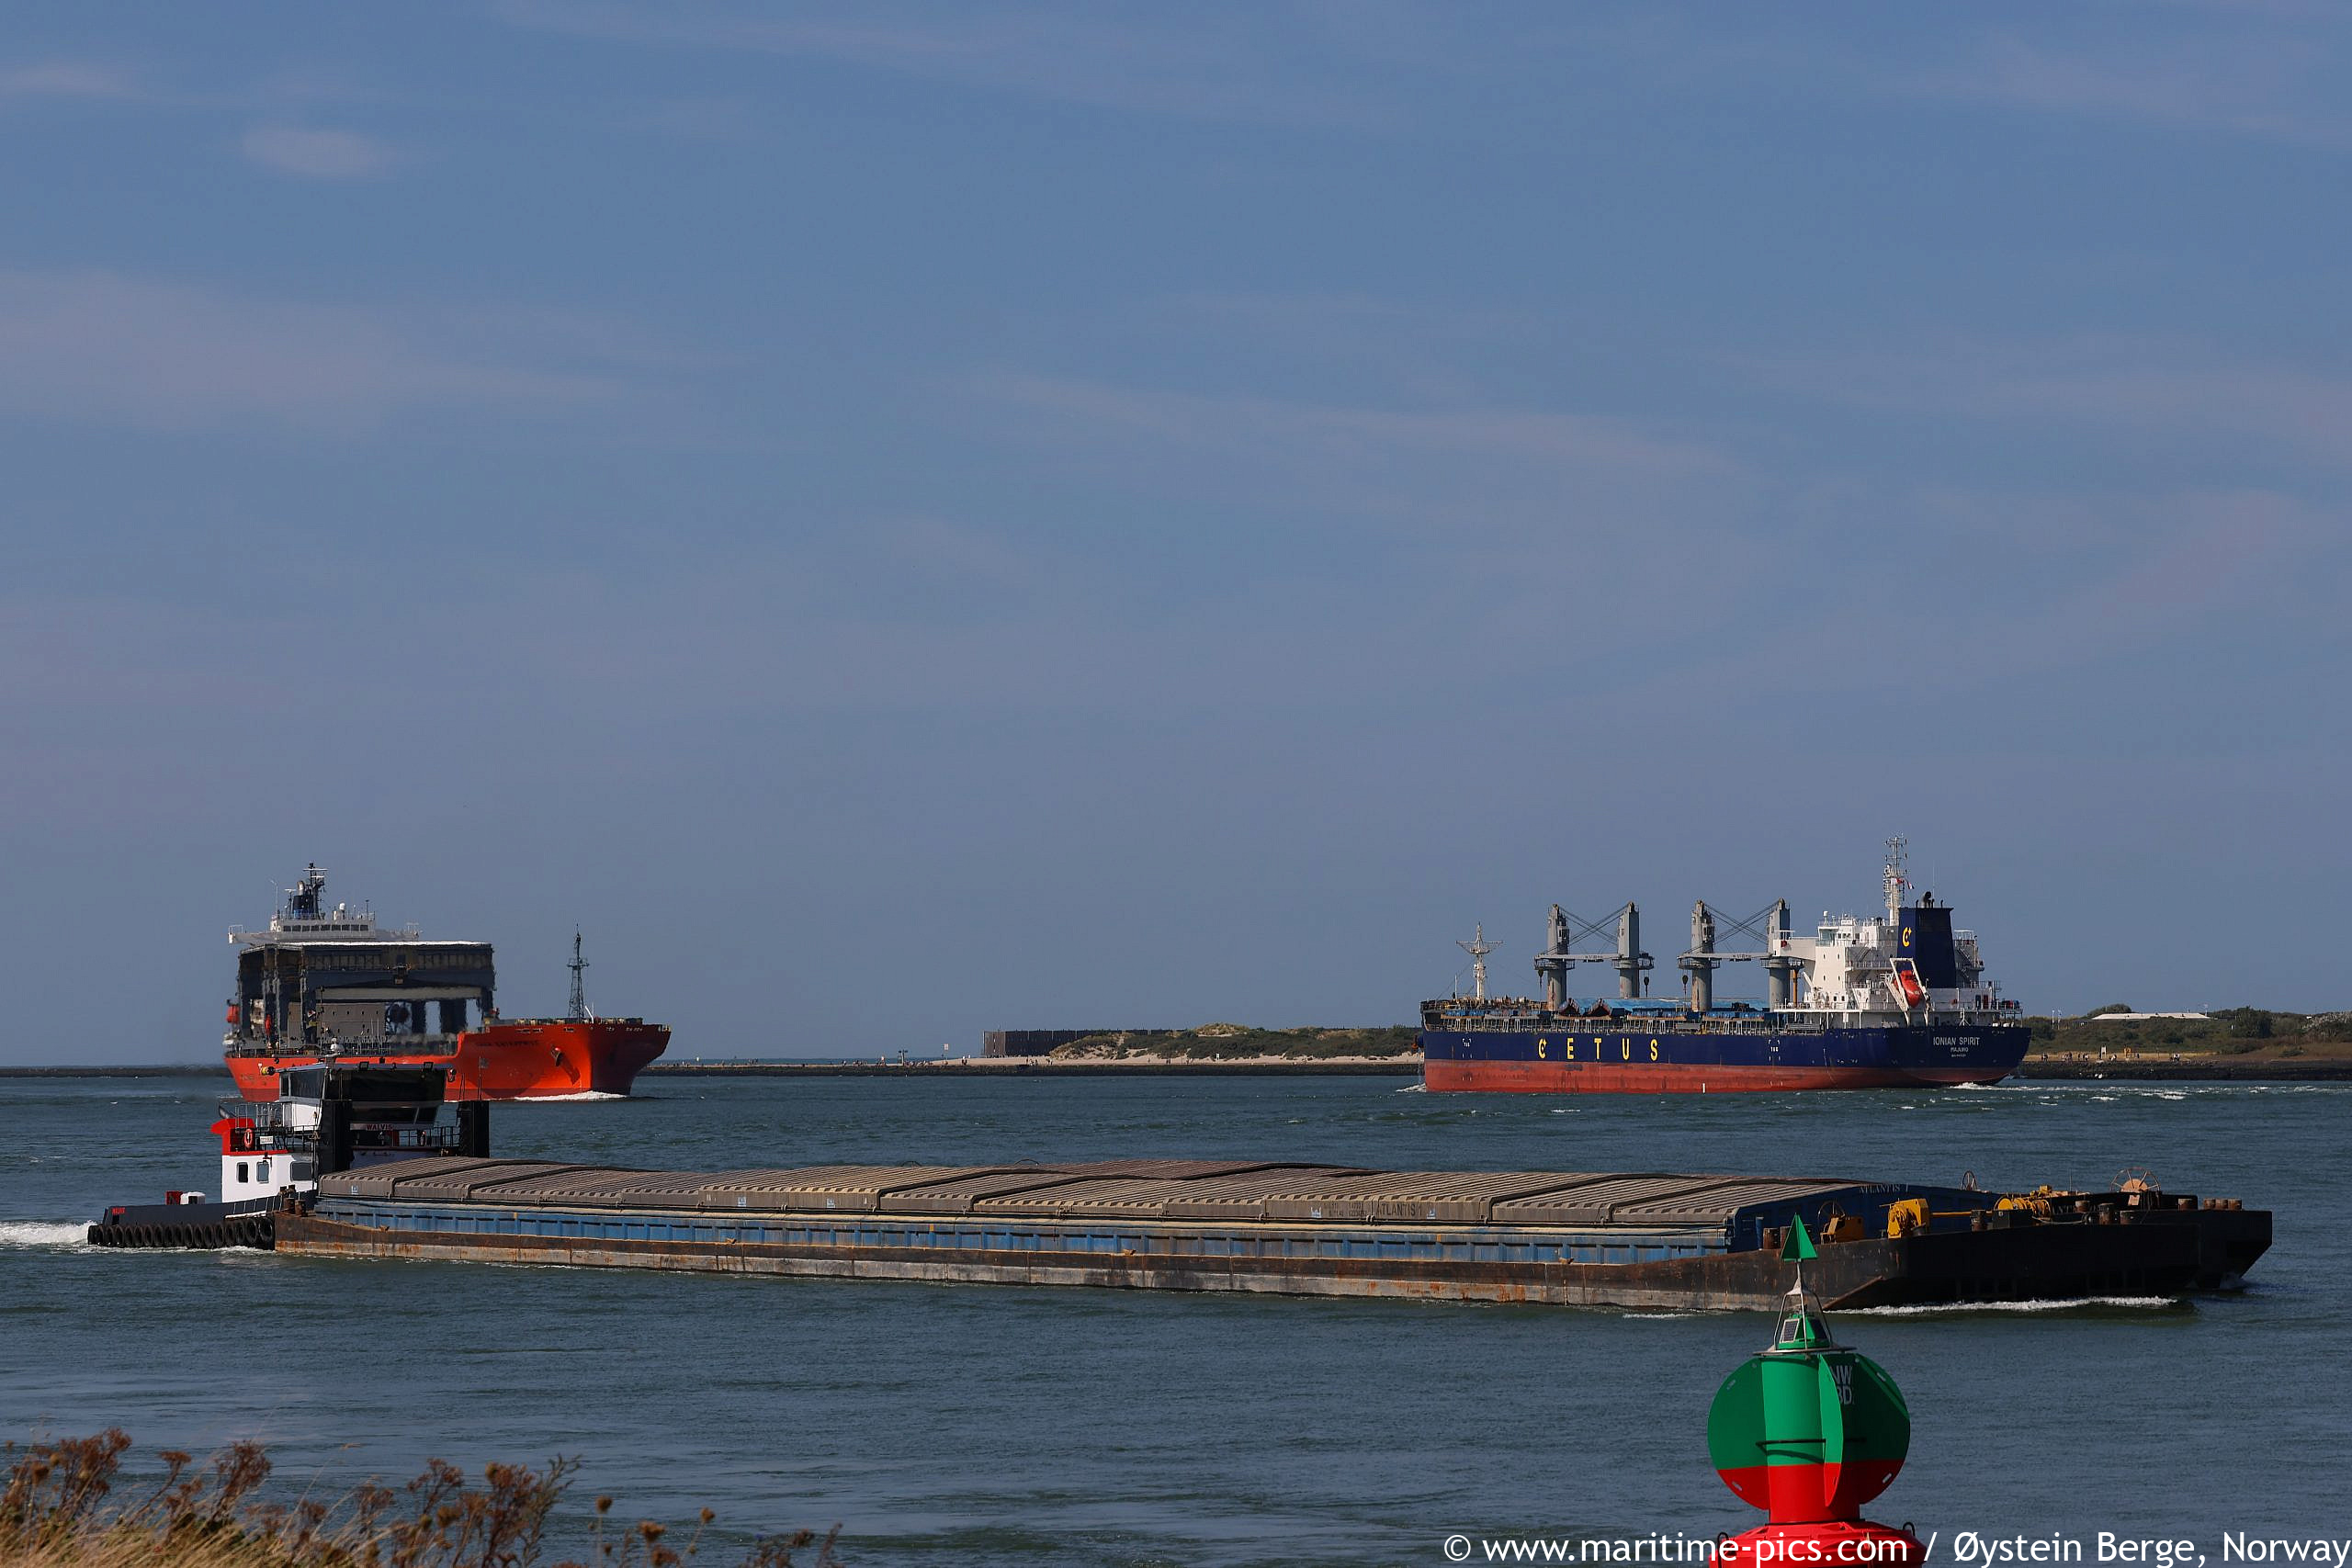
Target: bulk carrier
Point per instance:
(331, 984)
(1866, 1003)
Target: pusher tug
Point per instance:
(1864, 1002)
(326, 1119)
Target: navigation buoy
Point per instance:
(1809, 1431)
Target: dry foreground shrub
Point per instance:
(57, 1511)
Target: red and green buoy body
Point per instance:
(1809, 1431)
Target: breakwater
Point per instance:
(2195, 1069)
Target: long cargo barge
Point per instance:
(1640, 1240)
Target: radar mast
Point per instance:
(1477, 947)
(1896, 882)
(578, 967)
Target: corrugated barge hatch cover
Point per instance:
(1567, 1237)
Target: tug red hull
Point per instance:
(510, 1059)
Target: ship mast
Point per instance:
(578, 967)
(1895, 880)
(1477, 947)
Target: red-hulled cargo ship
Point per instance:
(331, 984)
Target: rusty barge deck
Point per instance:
(1559, 1237)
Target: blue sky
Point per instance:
(902, 519)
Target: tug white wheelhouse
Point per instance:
(259, 1163)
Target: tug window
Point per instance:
(241, 1177)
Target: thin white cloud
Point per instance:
(713, 119)
(2115, 382)
(316, 153)
(101, 347)
(1458, 493)
(2273, 85)
(2063, 582)
(1538, 437)
(1270, 65)
(68, 79)
(2271, 71)
(280, 94)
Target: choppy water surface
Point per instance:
(989, 1424)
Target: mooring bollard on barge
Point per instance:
(1555, 1237)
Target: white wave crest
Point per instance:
(2061, 1303)
(585, 1094)
(45, 1234)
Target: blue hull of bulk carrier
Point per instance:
(1685, 1057)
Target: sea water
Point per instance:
(988, 1425)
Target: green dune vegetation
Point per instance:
(61, 1508)
(2259, 1034)
(2249, 1032)
(2253, 1035)
(1231, 1042)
